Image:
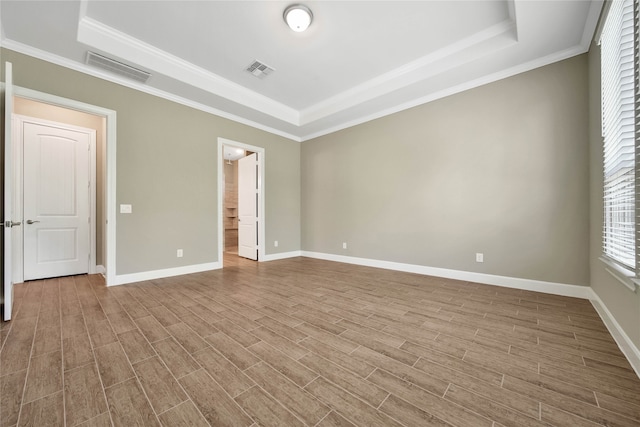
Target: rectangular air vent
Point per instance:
(259, 69)
(117, 67)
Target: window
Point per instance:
(618, 131)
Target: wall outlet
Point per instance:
(479, 257)
(179, 253)
(125, 209)
(344, 245)
(275, 243)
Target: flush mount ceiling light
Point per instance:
(298, 17)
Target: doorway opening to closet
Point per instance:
(241, 195)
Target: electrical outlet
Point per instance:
(179, 253)
(344, 245)
(275, 243)
(479, 257)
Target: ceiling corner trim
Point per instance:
(84, 5)
(110, 41)
(591, 25)
(511, 7)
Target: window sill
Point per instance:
(624, 276)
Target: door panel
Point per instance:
(56, 201)
(248, 207)
(8, 192)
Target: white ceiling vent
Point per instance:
(259, 69)
(117, 67)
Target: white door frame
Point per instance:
(8, 230)
(17, 125)
(109, 164)
(261, 193)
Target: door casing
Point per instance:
(261, 195)
(8, 231)
(109, 165)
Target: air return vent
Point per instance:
(117, 67)
(259, 69)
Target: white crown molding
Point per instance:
(80, 67)
(454, 55)
(106, 39)
(113, 78)
(452, 90)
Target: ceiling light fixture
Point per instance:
(298, 17)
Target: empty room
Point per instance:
(325, 213)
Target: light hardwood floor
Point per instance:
(307, 342)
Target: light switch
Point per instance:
(125, 209)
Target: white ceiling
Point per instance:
(358, 60)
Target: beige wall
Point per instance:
(167, 169)
(621, 302)
(27, 107)
(511, 169)
(502, 169)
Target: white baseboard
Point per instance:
(167, 272)
(627, 346)
(178, 271)
(281, 255)
(576, 291)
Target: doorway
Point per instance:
(30, 113)
(240, 200)
(45, 106)
(108, 167)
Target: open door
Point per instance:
(8, 191)
(248, 207)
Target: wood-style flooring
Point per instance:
(305, 342)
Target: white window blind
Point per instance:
(618, 130)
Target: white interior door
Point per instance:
(8, 192)
(248, 207)
(56, 201)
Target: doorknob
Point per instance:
(10, 224)
(29, 221)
